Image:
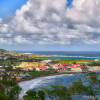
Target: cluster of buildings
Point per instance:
(67, 67)
(47, 65)
(4, 56)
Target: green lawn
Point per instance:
(41, 73)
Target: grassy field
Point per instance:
(78, 61)
(41, 73)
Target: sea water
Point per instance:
(46, 82)
(95, 55)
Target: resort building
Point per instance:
(29, 65)
(43, 67)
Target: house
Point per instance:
(43, 67)
(71, 67)
(24, 75)
(17, 77)
(66, 64)
(76, 65)
(53, 65)
(75, 69)
(61, 67)
(30, 65)
(37, 69)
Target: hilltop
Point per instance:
(12, 53)
(12, 56)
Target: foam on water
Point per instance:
(45, 82)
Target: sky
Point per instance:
(50, 25)
(8, 7)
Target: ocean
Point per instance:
(45, 82)
(69, 55)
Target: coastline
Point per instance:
(39, 81)
(30, 78)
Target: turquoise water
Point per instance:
(71, 55)
(95, 55)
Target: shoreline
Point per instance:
(37, 81)
(30, 78)
(53, 74)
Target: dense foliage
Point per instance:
(94, 64)
(9, 90)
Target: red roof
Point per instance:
(51, 64)
(75, 64)
(80, 67)
(71, 67)
(43, 67)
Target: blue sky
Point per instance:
(71, 31)
(8, 7)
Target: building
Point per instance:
(43, 67)
(30, 65)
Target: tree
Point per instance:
(31, 95)
(41, 95)
(3, 97)
(9, 90)
(93, 79)
(58, 93)
(14, 92)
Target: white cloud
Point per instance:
(19, 39)
(85, 11)
(3, 40)
(4, 28)
(52, 22)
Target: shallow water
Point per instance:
(45, 82)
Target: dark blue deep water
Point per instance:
(64, 53)
(70, 55)
(95, 55)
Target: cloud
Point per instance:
(2, 40)
(19, 39)
(53, 22)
